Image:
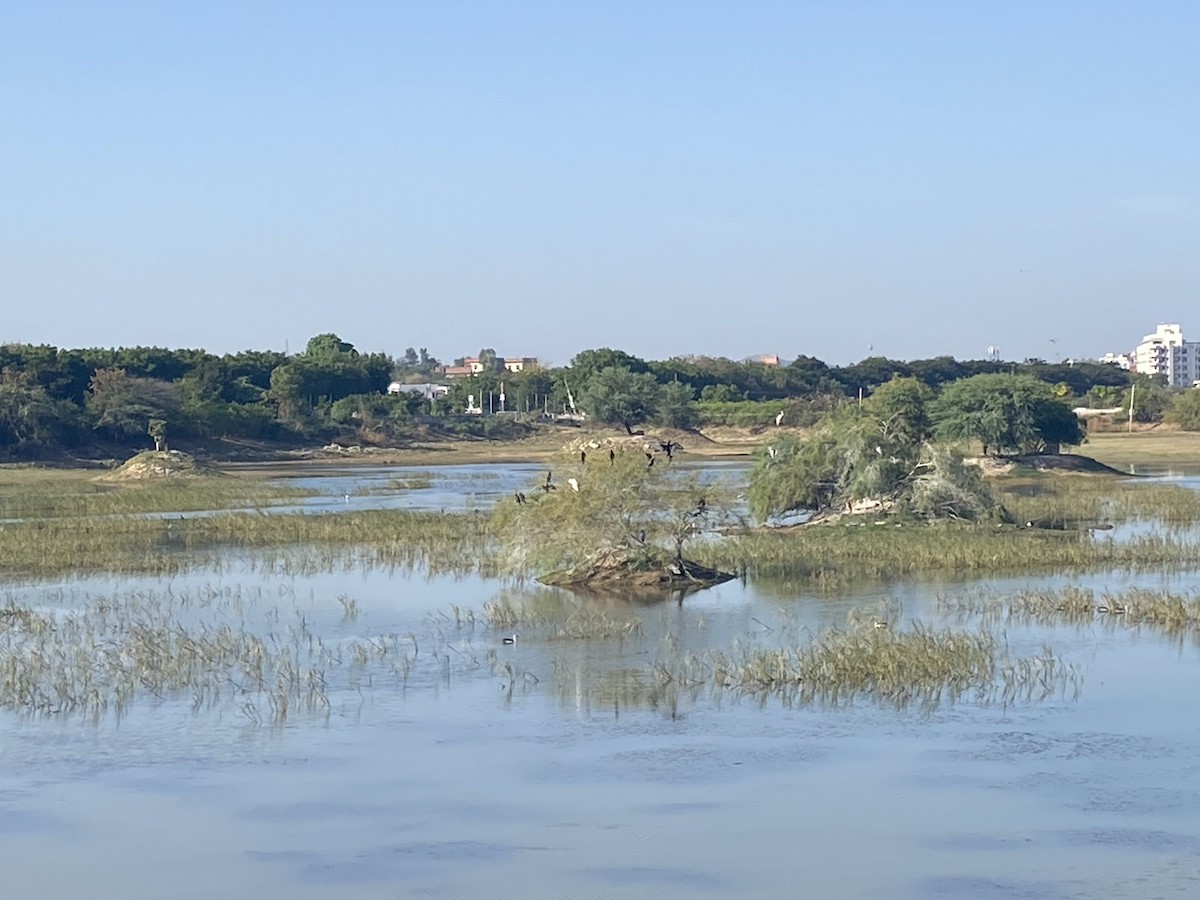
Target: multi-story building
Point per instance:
(1167, 353)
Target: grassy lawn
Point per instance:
(1157, 446)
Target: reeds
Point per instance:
(1162, 611)
(154, 545)
(830, 556)
(1082, 500)
(920, 665)
(153, 647)
(42, 494)
(559, 622)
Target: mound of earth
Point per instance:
(1043, 462)
(626, 568)
(158, 464)
(1065, 462)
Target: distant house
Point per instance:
(428, 391)
(520, 363)
(473, 366)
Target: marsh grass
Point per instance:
(558, 620)
(921, 665)
(37, 494)
(1082, 500)
(158, 545)
(828, 557)
(197, 647)
(1162, 611)
(417, 481)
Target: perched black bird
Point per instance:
(583, 457)
(612, 456)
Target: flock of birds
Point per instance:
(666, 447)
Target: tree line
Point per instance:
(58, 400)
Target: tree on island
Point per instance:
(617, 520)
(1005, 413)
(879, 455)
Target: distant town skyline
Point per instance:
(838, 180)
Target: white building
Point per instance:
(428, 391)
(1166, 353)
(1125, 361)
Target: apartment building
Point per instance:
(1167, 353)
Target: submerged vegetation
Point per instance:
(28, 493)
(617, 519)
(830, 556)
(923, 665)
(632, 512)
(627, 517)
(122, 647)
(1163, 611)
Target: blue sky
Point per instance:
(668, 178)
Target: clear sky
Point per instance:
(916, 178)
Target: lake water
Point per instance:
(558, 768)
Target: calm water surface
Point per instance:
(571, 778)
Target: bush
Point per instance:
(1184, 410)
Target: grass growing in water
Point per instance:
(27, 493)
(577, 623)
(1088, 499)
(195, 647)
(1163, 611)
(923, 665)
(832, 555)
(128, 545)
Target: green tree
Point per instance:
(123, 404)
(588, 517)
(674, 407)
(849, 456)
(328, 345)
(1184, 410)
(902, 406)
(617, 396)
(856, 455)
(588, 363)
(1149, 397)
(31, 421)
(869, 373)
(1006, 413)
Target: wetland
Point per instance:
(335, 683)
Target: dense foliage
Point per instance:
(99, 400)
(1008, 413)
(617, 506)
(872, 457)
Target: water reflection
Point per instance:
(570, 763)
